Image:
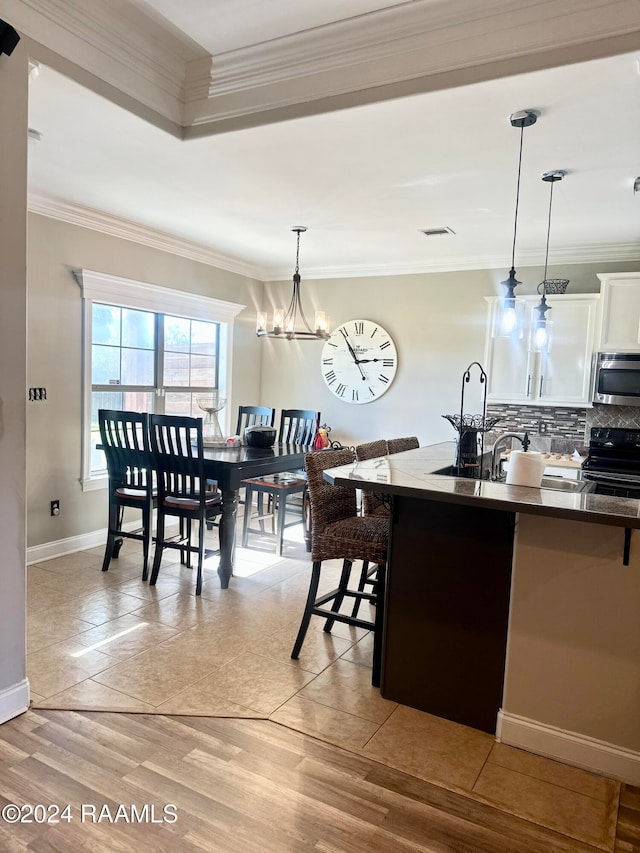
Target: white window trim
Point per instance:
(126, 292)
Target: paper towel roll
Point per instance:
(525, 469)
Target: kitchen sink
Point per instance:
(558, 484)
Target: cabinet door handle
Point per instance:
(528, 385)
(541, 381)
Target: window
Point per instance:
(148, 349)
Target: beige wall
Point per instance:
(438, 323)
(13, 293)
(55, 349)
(573, 659)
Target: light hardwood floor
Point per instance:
(109, 642)
(234, 786)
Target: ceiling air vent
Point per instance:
(436, 232)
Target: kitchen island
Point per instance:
(510, 609)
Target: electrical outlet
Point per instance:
(543, 427)
(55, 508)
(37, 394)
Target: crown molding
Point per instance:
(124, 229)
(612, 253)
(414, 43)
(126, 49)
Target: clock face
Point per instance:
(359, 361)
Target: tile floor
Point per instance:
(108, 641)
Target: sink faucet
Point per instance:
(495, 457)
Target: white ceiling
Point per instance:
(365, 179)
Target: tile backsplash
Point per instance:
(567, 429)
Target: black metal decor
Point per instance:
(471, 429)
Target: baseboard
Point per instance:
(14, 700)
(60, 547)
(578, 750)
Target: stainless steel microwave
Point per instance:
(617, 380)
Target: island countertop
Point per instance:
(411, 474)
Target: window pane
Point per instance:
(177, 334)
(176, 369)
(105, 325)
(181, 404)
(137, 367)
(138, 329)
(103, 400)
(105, 365)
(138, 401)
(203, 371)
(203, 338)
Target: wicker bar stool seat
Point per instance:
(339, 533)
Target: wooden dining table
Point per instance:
(229, 466)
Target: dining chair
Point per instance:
(125, 441)
(178, 458)
(339, 533)
(297, 426)
(254, 416)
(398, 445)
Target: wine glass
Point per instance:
(211, 404)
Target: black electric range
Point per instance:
(613, 461)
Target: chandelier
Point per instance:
(509, 317)
(292, 325)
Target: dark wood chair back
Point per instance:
(124, 437)
(254, 416)
(177, 447)
(298, 426)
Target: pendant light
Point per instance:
(508, 318)
(541, 328)
(292, 325)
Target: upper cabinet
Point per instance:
(620, 327)
(558, 375)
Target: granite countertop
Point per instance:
(410, 474)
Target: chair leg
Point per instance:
(337, 601)
(247, 515)
(306, 617)
(361, 583)
(157, 557)
(111, 536)
(376, 671)
(201, 529)
(260, 506)
(282, 514)
(146, 532)
(306, 518)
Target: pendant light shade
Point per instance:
(291, 324)
(541, 330)
(508, 319)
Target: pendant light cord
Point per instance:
(515, 222)
(546, 257)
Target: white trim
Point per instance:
(14, 700)
(125, 229)
(115, 290)
(73, 544)
(94, 484)
(572, 748)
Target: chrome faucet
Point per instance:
(496, 463)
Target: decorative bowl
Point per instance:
(260, 436)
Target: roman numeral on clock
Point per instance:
(383, 378)
(359, 328)
(388, 362)
(354, 396)
(330, 377)
(385, 345)
(341, 389)
(327, 360)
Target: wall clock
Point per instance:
(359, 361)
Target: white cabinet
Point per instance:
(620, 328)
(559, 375)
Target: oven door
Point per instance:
(617, 379)
(613, 484)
